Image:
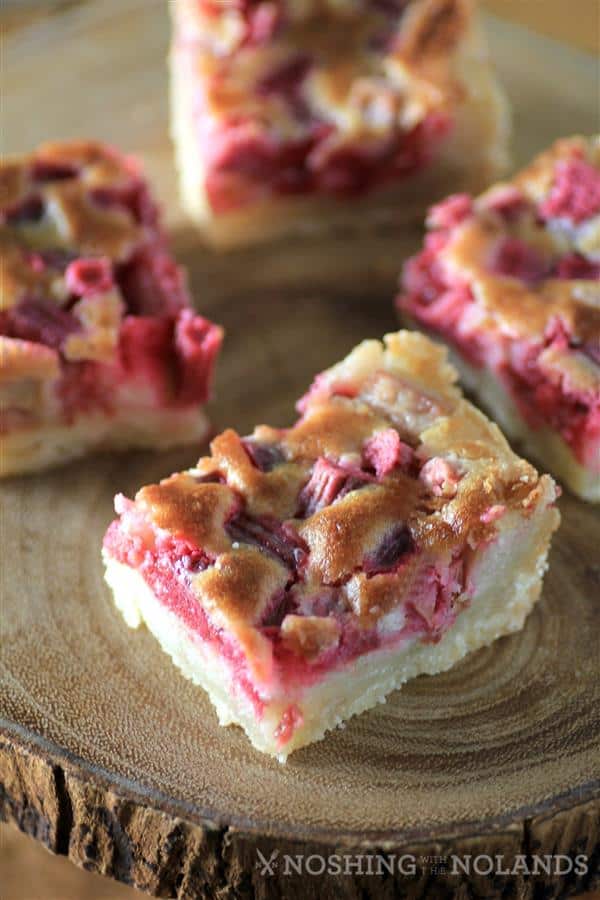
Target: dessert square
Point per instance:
(294, 117)
(299, 575)
(99, 345)
(511, 281)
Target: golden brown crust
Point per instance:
(525, 308)
(100, 318)
(89, 227)
(309, 636)
(101, 166)
(342, 534)
(516, 306)
(18, 277)
(266, 493)
(189, 510)
(240, 585)
(332, 530)
(72, 214)
(363, 92)
(337, 427)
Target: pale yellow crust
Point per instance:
(46, 445)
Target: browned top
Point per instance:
(308, 505)
(197, 512)
(367, 75)
(63, 196)
(538, 229)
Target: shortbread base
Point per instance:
(50, 444)
(508, 578)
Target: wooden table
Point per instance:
(509, 738)
(576, 23)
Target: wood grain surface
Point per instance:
(571, 23)
(107, 754)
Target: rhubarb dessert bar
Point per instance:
(299, 575)
(511, 281)
(301, 116)
(99, 346)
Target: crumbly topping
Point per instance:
(387, 474)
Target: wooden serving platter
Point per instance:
(106, 753)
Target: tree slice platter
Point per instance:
(107, 754)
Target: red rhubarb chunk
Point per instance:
(146, 353)
(576, 267)
(185, 558)
(88, 277)
(575, 194)
(514, 258)
(384, 451)
(423, 277)
(321, 389)
(241, 147)
(390, 552)
(286, 78)
(451, 212)
(197, 343)
(508, 202)
(325, 483)
(152, 283)
(134, 198)
(281, 605)
(40, 321)
(263, 22)
(26, 212)
(271, 535)
(328, 482)
(85, 386)
(264, 456)
(51, 170)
